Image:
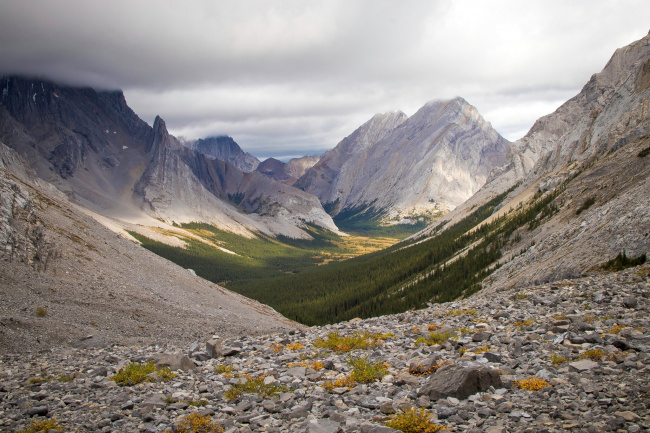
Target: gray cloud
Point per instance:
(292, 77)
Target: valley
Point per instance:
(423, 267)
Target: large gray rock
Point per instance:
(173, 361)
(460, 382)
(213, 347)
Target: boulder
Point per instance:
(173, 361)
(460, 382)
(213, 347)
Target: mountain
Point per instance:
(225, 149)
(400, 167)
(591, 152)
(68, 280)
(297, 167)
(287, 172)
(93, 147)
(274, 169)
(571, 199)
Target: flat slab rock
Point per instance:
(460, 382)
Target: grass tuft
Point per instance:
(51, 425)
(593, 354)
(253, 385)
(135, 372)
(531, 384)
(434, 338)
(358, 340)
(413, 420)
(366, 371)
(197, 423)
(558, 359)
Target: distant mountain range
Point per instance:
(401, 167)
(560, 202)
(94, 148)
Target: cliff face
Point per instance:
(225, 149)
(399, 166)
(94, 148)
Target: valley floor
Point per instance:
(585, 343)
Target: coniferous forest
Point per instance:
(290, 276)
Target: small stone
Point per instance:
(630, 302)
(628, 416)
(387, 408)
(582, 365)
(375, 428)
(323, 426)
(36, 410)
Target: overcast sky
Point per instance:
(288, 78)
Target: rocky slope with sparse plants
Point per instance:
(68, 280)
(569, 356)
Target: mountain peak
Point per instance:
(159, 126)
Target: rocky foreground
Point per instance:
(568, 356)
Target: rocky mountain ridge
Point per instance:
(226, 149)
(93, 147)
(399, 167)
(92, 286)
(592, 147)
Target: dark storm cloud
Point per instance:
(294, 77)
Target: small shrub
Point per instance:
(197, 423)
(466, 331)
(520, 296)
(358, 340)
(434, 338)
(558, 359)
(586, 205)
(45, 426)
(483, 349)
(415, 370)
(316, 365)
(254, 385)
(614, 330)
(165, 374)
(223, 368)
(366, 371)
(593, 354)
(198, 403)
(413, 420)
(521, 323)
(295, 346)
(41, 312)
(433, 327)
(134, 373)
(277, 347)
(459, 312)
(532, 383)
(341, 382)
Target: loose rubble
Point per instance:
(568, 356)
